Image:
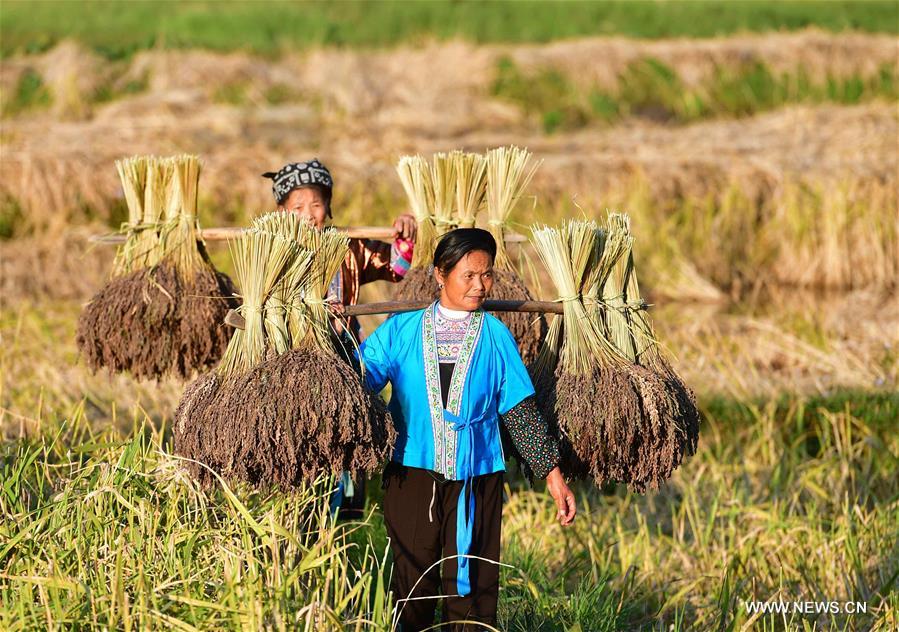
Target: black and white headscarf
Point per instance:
(299, 174)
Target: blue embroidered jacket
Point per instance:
(490, 379)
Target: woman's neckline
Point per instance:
(452, 314)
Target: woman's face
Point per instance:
(309, 204)
(468, 284)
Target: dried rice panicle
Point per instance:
(162, 311)
(283, 408)
(667, 399)
(619, 417)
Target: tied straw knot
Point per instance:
(631, 305)
(134, 229)
(314, 302)
(245, 308)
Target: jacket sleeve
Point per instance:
(380, 261)
(535, 446)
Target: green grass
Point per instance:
(30, 94)
(795, 498)
(650, 89)
(112, 90)
(118, 29)
(10, 217)
(788, 496)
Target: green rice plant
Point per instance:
(243, 25)
(119, 537)
(548, 95)
(648, 88)
(30, 94)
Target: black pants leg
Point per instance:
(480, 604)
(420, 515)
(415, 542)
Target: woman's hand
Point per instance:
(335, 307)
(404, 227)
(563, 496)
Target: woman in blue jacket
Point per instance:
(455, 374)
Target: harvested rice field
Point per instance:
(757, 166)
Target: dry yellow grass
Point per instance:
(696, 189)
(360, 110)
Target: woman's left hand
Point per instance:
(563, 496)
(335, 307)
(405, 227)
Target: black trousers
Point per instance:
(420, 513)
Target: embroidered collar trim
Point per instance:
(444, 435)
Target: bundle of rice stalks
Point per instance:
(416, 179)
(621, 412)
(443, 183)
(283, 408)
(416, 175)
(163, 310)
(471, 186)
(508, 172)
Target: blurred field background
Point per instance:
(754, 145)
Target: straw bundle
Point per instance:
(283, 408)
(508, 172)
(163, 310)
(455, 185)
(471, 186)
(443, 182)
(620, 410)
(417, 177)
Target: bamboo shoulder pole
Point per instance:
(227, 233)
(392, 307)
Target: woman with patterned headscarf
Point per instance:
(305, 188)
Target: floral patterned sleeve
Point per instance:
(529, 432)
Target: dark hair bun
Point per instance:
(454, 245)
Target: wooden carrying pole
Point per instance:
(229, 233)
(392, 307)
